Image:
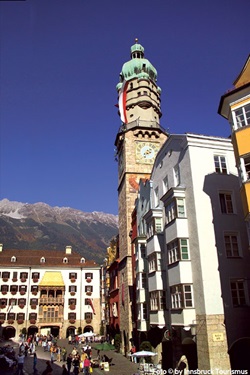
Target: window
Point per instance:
(177, 175)
(22, 289)
(154, 262)
(157, 300)
(82, 260)
(242, 116)
(175, 209)
(188, 296)
(23, 276)
(153, 301)
(13, 259)
(12, 302)
(88, 289)
(20, 316)
(72, 288)
(180, 207)
(226, 203)
(231, 245)
(165, 184)
(238, 293)
(72, 316)
(34, 289)
(21, 302)
(11, 316)
(143, 280)
(13, 289)
(3, 303)
(162, 300)
(181, 296)
(42, 260)
(144, 311)
(35, 275)
(32, 316)
(158, 224)
(4, 288)
(65, 260)
(89, 276)
(220, 164)
(88, 316)
(178, 250)
(244, 169)
(33, 302)
(151, 263)
(2, 317)
(156, 196)
(73, 275)
(5, 275)
(143, 251)
(72, 301)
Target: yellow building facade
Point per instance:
(235, 107)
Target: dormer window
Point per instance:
(42, 260)
(82, 260)
(13, 259)
(65, 260)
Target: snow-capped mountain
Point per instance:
(40, 226)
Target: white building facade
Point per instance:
(48, 292)
(197, 249)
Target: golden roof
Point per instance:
(52, 278)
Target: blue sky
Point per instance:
(60, 63)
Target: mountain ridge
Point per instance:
(39, 226)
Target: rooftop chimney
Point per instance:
(1, 247)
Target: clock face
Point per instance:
(146, 152)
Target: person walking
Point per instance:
(48, 370)
(64, 370)
(76, 364)
(69, 362)
(20, 363)
(64, 354)
(34, 364)
(86, 366)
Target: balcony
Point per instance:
(50, 320)
(52, 300)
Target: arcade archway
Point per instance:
(32, 330)
(9, 332)
(70, 331)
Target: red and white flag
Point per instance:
(91, 304)
(122, 102)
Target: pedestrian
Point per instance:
(64, 371)
(35, 363)
(76, 364)
(48, 370)
(64, 354)
(20, 363)
(22, 348)
(69, 362)
(86, 366)
(58, 354)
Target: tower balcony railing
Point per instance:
(141, 123)
(54, 300)
(50, 320)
